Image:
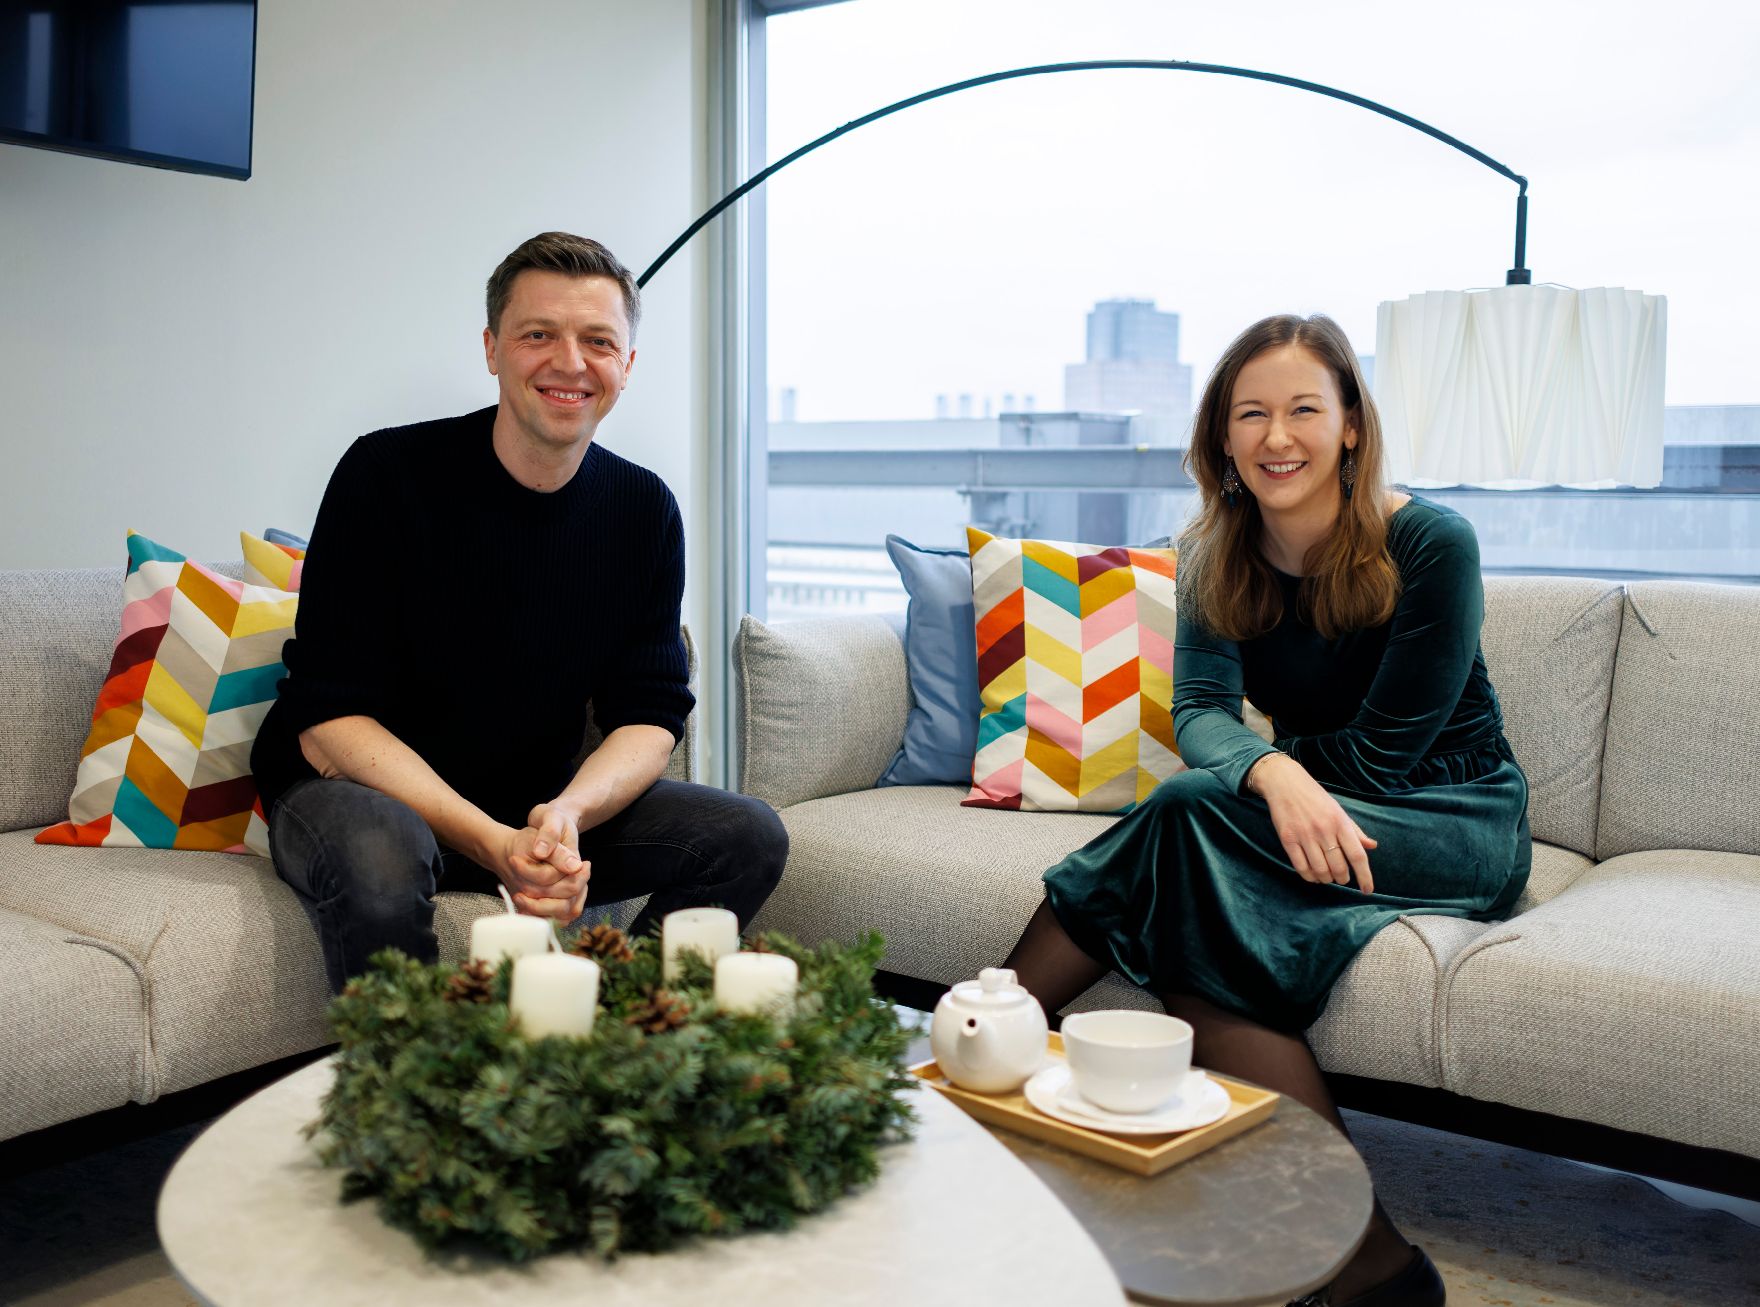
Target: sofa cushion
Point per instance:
(166, 763)
(822, 705)
(76, 1030)
(1380, 1020)
(58, 632)
(941, 657)
(1549, 645)
(950, 887)
(271, 563)
(1554, 870)
(230, 973)
(1632, 999)
(1075, 669)
(1682, 768)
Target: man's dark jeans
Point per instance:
(366, 867)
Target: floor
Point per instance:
(1509, 1228)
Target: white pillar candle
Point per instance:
(756, 982)
(505, 935)
(555, 994)
(709, 931)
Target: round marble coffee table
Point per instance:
(1269, 1215)
(1263, 1218)
(249, 1219)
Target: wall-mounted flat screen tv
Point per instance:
(161, 82)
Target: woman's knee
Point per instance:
(1194, 789)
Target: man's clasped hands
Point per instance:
(541, 864)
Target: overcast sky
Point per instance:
(957, 246)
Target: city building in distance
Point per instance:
(1132, 366)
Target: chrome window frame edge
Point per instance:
(735, 357)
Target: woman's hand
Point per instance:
(1324, 845)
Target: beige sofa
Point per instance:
(1623, 994)
(129, 974)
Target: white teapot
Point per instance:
(989, 1034)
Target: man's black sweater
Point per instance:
(474, 618)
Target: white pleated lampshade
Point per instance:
(1534, 385)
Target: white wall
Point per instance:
(188, 356)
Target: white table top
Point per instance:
(248, 1217)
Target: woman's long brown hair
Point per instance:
(1349, 580)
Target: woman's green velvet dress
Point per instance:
(1192, 891)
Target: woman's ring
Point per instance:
(1329, 848)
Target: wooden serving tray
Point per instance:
(1143, 1154)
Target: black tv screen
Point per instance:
(161, 82)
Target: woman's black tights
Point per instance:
(1056, 972)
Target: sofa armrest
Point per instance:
(822, 705)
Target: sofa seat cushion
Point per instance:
(950, 887)
(1632, 999)
(1554, 870)
(231, 975)
(1381, 1020)
(76, 1028)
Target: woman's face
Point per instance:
(1287, 432)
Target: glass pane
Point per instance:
(995, 308)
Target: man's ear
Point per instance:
(629, 364)
(489, 350)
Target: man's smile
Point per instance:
(564, 398)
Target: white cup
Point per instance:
(1127, 1061)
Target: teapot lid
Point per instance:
(994, 989)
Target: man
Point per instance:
(472, 584)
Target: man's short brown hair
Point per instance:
(573, 256)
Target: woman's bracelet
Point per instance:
(1254, 769)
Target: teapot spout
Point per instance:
(976, 1041)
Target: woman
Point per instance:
(1349, 613)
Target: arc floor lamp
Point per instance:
(1516, 385)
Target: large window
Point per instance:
(997, 307)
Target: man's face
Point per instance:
(562, 356)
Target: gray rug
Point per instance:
(1512, 1228)
(1508, 1228)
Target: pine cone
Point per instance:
(603, 943)
(663, 1011)
(759, 944)
(471, 984)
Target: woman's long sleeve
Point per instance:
(1207, 722)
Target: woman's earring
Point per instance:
(1347, 472)
(1231, 484)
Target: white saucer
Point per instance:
(1199, 1102)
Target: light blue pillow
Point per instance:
(276, 536)
(941, 660)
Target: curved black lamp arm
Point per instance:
(1518, 275)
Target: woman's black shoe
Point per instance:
(1418, 1285)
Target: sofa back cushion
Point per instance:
(1682, 769)
(822, 704)
(1549, 644)
(57, 629)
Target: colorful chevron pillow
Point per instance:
(166, 764)
(271, 563)
(1075, 668)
